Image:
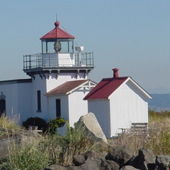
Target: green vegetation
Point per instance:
(27, 157)
(35, 121)
(53, 124)
(156, 139)
(62, 149)
(37, 152)
(158, 116)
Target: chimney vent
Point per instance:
(115, 73)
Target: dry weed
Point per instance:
(157, 138)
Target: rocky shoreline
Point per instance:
(117, 158)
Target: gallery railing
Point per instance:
(51, 60)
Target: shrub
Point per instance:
(55, 123)
(35, 121)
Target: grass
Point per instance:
(63, 149)
(158, 140)
(9, 123)
(27, 157)
(39, 152)
(36, 152)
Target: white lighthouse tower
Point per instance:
(59, 62)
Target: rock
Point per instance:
(163, 162)
(90, 127)
(55, 167)
(79, 160)
(145, 160)
(121, 154)
(92, 155)
(97, 164)
(109, 165)
(90, 164)
(90, 161)
(128, 167)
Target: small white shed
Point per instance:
(118, 102)
(66, 100)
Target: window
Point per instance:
(38, 101)
(58, 108)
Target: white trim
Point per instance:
(134, 83)
(88, 84)
(139, 87)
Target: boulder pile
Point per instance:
(118, 158)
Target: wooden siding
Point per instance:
(127, 105)
(101, 109)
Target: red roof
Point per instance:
(57, 33)
(66, 87)
(105, 88)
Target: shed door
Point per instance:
(58, 108)
(2, 106)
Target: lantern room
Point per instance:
(57, 41)
(58, 54)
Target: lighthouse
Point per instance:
(59, 75)
(59, 58)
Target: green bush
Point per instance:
(35, 121)
(55, 123)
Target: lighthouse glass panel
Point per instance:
(50, 46)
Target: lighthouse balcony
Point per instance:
(57, 60)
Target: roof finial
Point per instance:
(56, 23)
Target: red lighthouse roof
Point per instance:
(57, 33)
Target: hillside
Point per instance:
(160, 102)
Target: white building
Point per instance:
(57, 84)
(118, 102)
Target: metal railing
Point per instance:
(51, 60)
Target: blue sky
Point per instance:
(132, 35)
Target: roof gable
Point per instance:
(70, 86)
(57, 33)
(105, 88)
(140, 88)
(108, 85)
